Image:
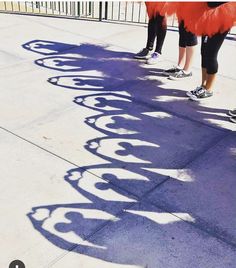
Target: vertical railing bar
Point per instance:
(46, 7)
(132, 16)
(106, 10)
(139, 12)
(78, 6)
(59, 8)
(39, 6)
(90, 8)
(73, 9)
(126, 3)
(93, 15)
(19, 5)
(52, 8)
(112, 10)
(70, 8)
(12, 8)
(86, 9)
(100, 11)
(25, 7)
(66, 7)
(119, 11)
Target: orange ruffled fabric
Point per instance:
(170, 8)
(154, 8)
(203, 20)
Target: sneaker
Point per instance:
(171, 71)
(179, 75)
(232, 112)
(143, 54)
(154, 58)
(233, 119)
(192, 92)
(201, 93)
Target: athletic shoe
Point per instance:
(143, 54)
(233, 119)
(201, 93)
(232, 112)
(180, 75)
(192, 92)
(171, 71)
(154, 58)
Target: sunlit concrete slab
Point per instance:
(35, 194)
(148, 237)
(209, 196)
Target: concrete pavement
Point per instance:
(106, 163)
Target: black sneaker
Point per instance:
(232, 112)
(180, 75)
(201, 93)
(233, 119)
(173, 70)
(143, 54)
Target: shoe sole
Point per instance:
(231, 114)
(176, 78)
(233, 119)
(142, 58)
(189, 94)
(194, 98)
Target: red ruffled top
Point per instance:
(154, 8)
(198, 17)
(203, 20)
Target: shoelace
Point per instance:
(201, 91)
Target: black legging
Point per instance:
(209, 51)
(186, 38)
(156, 29)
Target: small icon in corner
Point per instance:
(16, 264)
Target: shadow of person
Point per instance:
(144, 144)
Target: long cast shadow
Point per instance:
(143, 145)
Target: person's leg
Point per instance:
(145, 53)
(187, 44)
(191, 42)
(213, 46)
(151, 33)
(204, 61)
(204, 77)
(181, 58)
(182, 45)
(189, 58)
(192, 93)
(210, 49)
(161, 28)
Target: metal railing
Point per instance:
(122, 11)
(51, 8)
(130, 12)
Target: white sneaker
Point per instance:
(154, 58)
